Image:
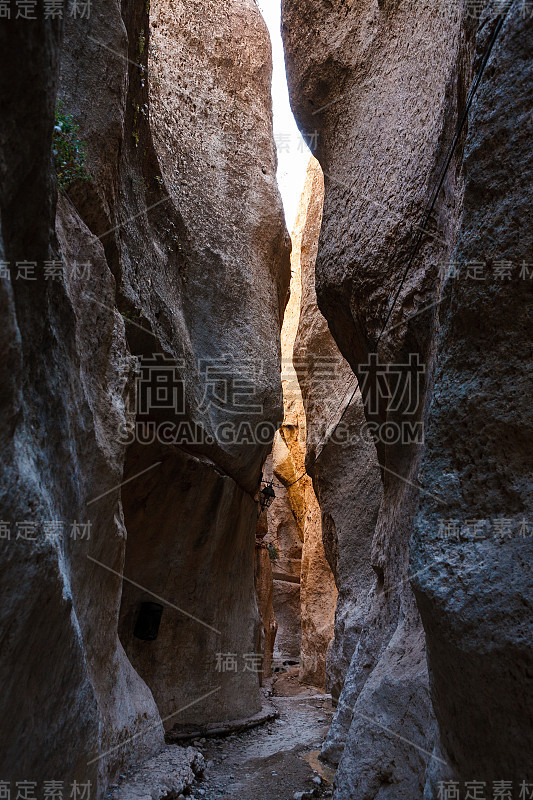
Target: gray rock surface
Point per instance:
(383, 85)
(191, 265)
(380, 85)
(189, 544)
(169, 774)
(472, 546)
(69, 694)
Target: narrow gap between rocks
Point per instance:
(213, 750)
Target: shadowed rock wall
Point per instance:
(190, 541)
(264, 588)
(214, 302)
(70, 694)
(187, 259)
(472, 544)
(381, 85)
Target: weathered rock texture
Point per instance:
(472, 551)
(172, 772)
(264, 589)
(346, 475)
(186, 238)
(317, 595)
(285, 520)
(190, 541)
(304, 589)
(214, 302)
(318, 591)
(70, 694)
(383, 85)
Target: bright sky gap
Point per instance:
(293, 153)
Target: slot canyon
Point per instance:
(266, 504)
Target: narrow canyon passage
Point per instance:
(277, 755)
(266, 508)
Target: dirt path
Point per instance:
(274, 761)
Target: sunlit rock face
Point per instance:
(304, 588)
(472, 545)
(318, 592)
(346, 474)
(285, 521)
(383, 86)
(175, 245)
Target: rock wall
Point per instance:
(284, 540)
(381, 86)
(227, 260)
(190, 531)
(304, 587)
(472, 545)
(71, 696)
(264, 589)
(346, 474)
(174, 251)
(318, 592)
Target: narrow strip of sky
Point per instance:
(293, 153)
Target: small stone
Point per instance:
(318, 780)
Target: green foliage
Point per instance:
(133, 316)
(135, 132)
(69, 151)
(272, 551)
(141, 43)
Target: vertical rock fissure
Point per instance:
(304, 593)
